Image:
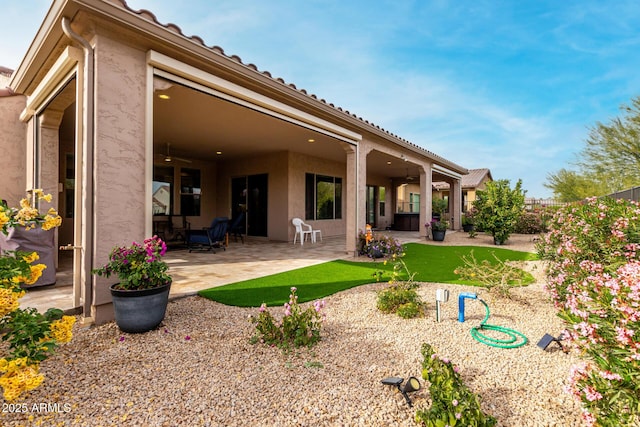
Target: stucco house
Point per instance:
(109, 105)
(475, 180)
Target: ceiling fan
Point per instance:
(409, 177)
(169, 158)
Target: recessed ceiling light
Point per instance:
(311, 140)
(163, 96)
(218, 152)
(389, 162)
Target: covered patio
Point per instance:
(195, 271)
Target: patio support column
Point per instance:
(455, 203)
(425, 195)
(364, 150)
(49, 158)
(350, 198)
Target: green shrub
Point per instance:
(409, 310)
(529, 223)
(393, 297)
(499, 208)
(401, 297)
(452, 403)
(298, 327)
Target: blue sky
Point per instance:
(513, 86)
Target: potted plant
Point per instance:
(27, 229)
(438, 207)
(438, 229)
(468, 222)
(140, 298)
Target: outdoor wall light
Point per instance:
(412, 385)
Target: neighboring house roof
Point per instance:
(473, 179)
(149, 16)
(5, 76)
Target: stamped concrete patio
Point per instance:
(195, 271)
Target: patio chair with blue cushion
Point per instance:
(209, 238)
(237, 227)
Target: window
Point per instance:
(323, 197)
(414, 202)
(382, 196)
(190, 192)
(162, 190)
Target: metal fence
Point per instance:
(531, 204)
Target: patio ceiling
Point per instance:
(198, 125)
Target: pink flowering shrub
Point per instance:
(139, 266)
(593, 276)
(297, 328)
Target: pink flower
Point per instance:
(592, 394)
(589, 418)
(610, 376)
(263, 308)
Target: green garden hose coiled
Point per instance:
(515, 339)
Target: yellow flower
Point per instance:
(36, 272)
(19, 377)
(51, 221)
(4, 217)
(25, 204)
(61, 329)
(33, 256)
(9, 301)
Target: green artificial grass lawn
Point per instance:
(430, 263)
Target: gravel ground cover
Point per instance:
(199, 369)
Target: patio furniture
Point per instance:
(209, 238)
(237, 227)
(303, 229)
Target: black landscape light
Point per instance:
(412, 385)
(548, 339)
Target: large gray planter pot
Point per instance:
(438, 235)
(38, 240)
(140, 311)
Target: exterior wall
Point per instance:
(119, 199)
(13, 136)
(299, 165)
(275, 166)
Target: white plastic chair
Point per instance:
(302, 230)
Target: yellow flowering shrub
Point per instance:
(9, 301)
(30, 335)
(61, 329)
(19, 376)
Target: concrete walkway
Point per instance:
(195, 271)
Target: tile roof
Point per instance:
(4, 71)
(472, 180)
(149, 16)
